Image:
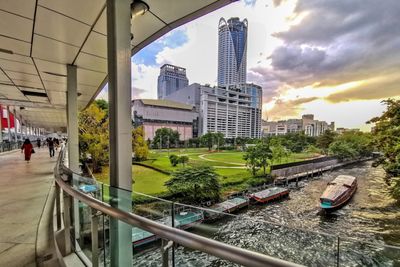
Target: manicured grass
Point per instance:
(147, 181)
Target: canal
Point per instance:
(291, 229)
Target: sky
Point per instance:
(336, 59)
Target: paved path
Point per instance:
(23, 192)
(242, 166)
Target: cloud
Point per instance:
(286, 109)
(172, 40)
(389, 86)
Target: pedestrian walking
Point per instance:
(56, 143)
(38, 142)
(50, 144)
(27, 148)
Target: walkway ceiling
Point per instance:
(38, 38)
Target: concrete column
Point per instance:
(15, 127)
(72, 130)
(119, 94)
(72, 118)
(9, 124)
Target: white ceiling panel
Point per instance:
(57, 98)
(17, 66)
(53, 78)
(16, 58)
(28, 83)
(71, 31)
(92, 78)
(152, 25)
(101, 25)
(47, 66)
(168, 10)
(90, 62)
(96, 44)
(15, 26)
(23, 76)
(25, 8)
(15, 46)
(85, 11)
(51, 50)
(86, 90)
(55, 86)
(11, 92)
(38, 99)
(3, 78)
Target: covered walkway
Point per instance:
(24, 188)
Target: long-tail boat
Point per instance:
(338, 192)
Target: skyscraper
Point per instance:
(232, 51)
(171, 79)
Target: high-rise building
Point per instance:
(233, 110)
(232, 51)
(171, 79)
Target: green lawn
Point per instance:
(147, 181)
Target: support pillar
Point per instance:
(119, 93)
(73, 138)
(15, 127)
(9, 124)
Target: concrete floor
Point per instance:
(24, 188)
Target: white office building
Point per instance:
(171, 79)
(232, 51)
(234, 111)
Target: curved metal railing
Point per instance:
(186, 239)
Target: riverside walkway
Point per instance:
(24, 188)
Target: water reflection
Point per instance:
(372, 215)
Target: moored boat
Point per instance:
(338, 192)
(270, 194)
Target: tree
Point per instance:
(278, 151)
(164, 137)
(219, 139)
(195, 185)
(324, 140)
(351, 145)
(102, 104)
(174, 160)
(252, 160)
(183, 160)
(139, 144)
(387, 136)
(93, 136)
(264, 155)
(207, 140)
(387, 140)
(342, 150)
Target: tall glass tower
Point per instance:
(232, 51)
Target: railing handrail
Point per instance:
(221, 250)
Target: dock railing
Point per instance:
(100, 212)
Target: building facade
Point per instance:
(232, 51)
(154, 114)
(171, 79)
(306, 124)
(234, 111)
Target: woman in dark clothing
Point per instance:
(38, 142)
(27, 149)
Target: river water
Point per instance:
(292, 229)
